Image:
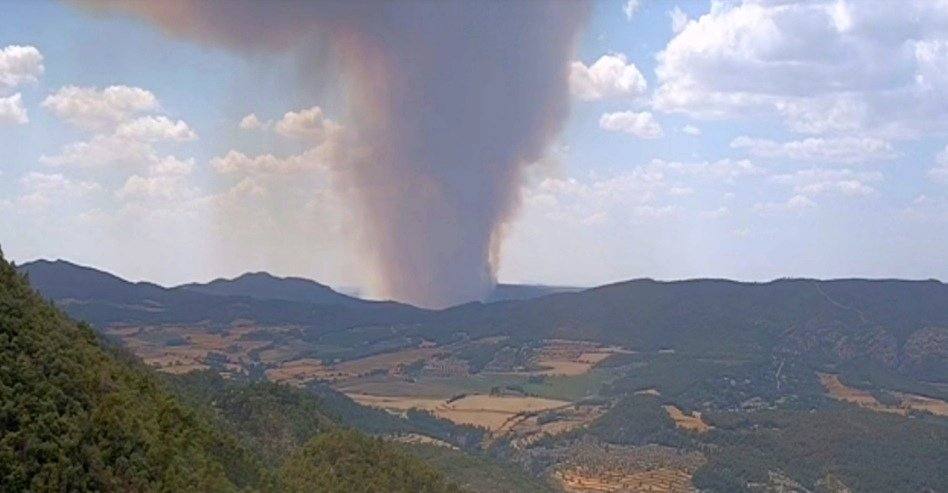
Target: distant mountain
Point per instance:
(103, 299)
(514, 292)
(264, 286)
(899, 324)
(902, 325)
(63, 280)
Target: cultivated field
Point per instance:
(386, 361)
(686, 421)
(298, 372)
(606, 468)
(491, 412)
(526, 429)
(910, 402)
(568, 358)
(658, 480)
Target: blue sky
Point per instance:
(744, 140)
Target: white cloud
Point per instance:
(101, 151)
(42, 190)
(120, 135)
(235, 162)
(679, 19)
(12, 110)
(172, 166)
(310, 124)
(251, 122)
(644, 193)
(19, 65)
(165, 181)
(630, 8)
(824, 66)
(92, 109)
(940, 171)
(817, 181)
(723, 169)
(842, 150)
(155, 128)
(639, 124)
(611, 76)
(691, 130)
(797, 203)
(837, 113)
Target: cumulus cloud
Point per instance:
(100, 151)
(817, 181)
(251, 122)
(235, 162)
(123, 133)
(816, 64)
(691, 130)
(650, 191)
(12, 110)
(156, 128)
(42, 190)
(19, 65)
(630, 8)
(165, 180)
(128, 132)
(722, 169)
(89, 108)
(639, 124)
(842, 150)
(310, 124)
(796, 203)
(679, 19)
(611, 76)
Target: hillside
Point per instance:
(261, 285)
(78, 417)
(715, 384)
(75, 417)
(898, 324)
(103, 299)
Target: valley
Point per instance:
(641, 386)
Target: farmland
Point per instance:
(691, 422)
(486, 411)
(597, 468)
(906, 402)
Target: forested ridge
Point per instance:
(77, 417)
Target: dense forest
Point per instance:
(77, 416)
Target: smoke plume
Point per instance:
(449, 101)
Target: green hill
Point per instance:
(78, 417)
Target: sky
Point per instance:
(746, 140)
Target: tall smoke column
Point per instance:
(448, 100)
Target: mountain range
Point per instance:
(793, 384)
(901, 325)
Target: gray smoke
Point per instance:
(449, 102)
